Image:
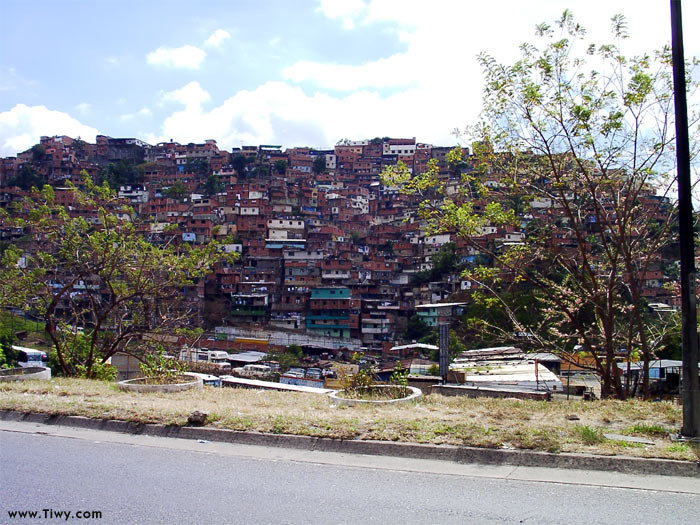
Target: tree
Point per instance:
(213, 185)
(444, 262)
(239, 163)
(319, 164)
(27, 178)
(262, 172)
(176, 191)
(38, 152)
(584, 138)
(280, 166)
(200, 167)
(286, 358)
(416, 328)
(122, 173)
(98, 285)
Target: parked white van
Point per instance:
(253, 371)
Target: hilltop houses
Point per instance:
(328, 254)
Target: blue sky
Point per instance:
(294, 73)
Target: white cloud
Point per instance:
(142, 113)
(348, 11)
(190, 95)
(187, 57)
(217, 38)
(379, 74)
(22, 127)
(426, 90)
(279, 113)
(83, 107)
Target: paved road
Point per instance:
(141, 479)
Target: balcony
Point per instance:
(334, 275)
(372, 330)
(328, 316)
(247, 312)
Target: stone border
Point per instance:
(415, 394)
(32, 372)
(133, 385)
(520, 458)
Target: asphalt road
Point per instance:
(141, 479)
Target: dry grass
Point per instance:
(557, 426)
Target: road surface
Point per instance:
(121, 478)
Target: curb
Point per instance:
(486, 456)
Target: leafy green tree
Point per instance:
(213, 185)
(200, 167)
(288, 357)
(416, 328)
(319, 164)
(27, 178)
(8, 358)
(444, 262)
(38, 152)
(387, 247)
(261, 172)
(122, 173)
(176, 191)
(582, 135)
(239, 163)
(457, 346)
(98, 285)
(280, 166)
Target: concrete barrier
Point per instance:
(25, 374)
(454, 453)
(337, 398)
(140, 385)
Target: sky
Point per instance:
(290, 73)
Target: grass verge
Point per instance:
(557, 426)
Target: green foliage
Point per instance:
(354, 384)
(287, 358)
(8, 358)
(239, 163)
(589, 435)
(38, 152)
(159, 368)
(387, 247)
(434, 370)
(27, 178)
(76, 354)
(399, 380)
(575, 158)
(280, 166)
(176, 191)
(213, 185)
(416, 328)
(456, 345)
(296, 351)
(101, 275)
(122, 173)
(444, 263)
(319, 164)
(261, 172)
(199, 167)
(649, 430)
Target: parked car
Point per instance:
(314, 373)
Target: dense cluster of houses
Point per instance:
(328, 254)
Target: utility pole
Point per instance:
(690, 392)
